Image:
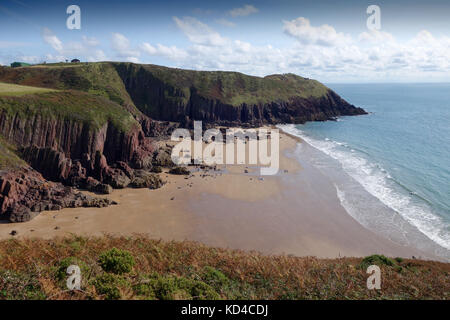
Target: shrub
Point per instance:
(116, 261)
(173, 287)
(15, 286)
(378, 260)
(61, 271)
(215, 278)
(108, 285)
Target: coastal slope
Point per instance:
(102, 125)
(171, 94)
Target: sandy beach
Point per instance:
(294, 212)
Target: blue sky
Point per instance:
(326, 40)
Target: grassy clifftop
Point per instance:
(234, 88)
(8, 89)
(229, 87)
(68, 105)
(95, 78)
(177, 95)
(141, 268)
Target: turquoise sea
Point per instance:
(399, 154)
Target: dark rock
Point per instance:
(24, 193)
(117, 179)
(91, 184)
(180, 171)
(156, 169)
(103, 188)
(144, 179)
(163, 157)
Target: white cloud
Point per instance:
(303, 31)
(87, 48)
(198, 32)
(225, 22)
(121, 46)
(244, 11)
(324, 53)
(376, 37)
(172, 53)
(319, 52)
(52, 39)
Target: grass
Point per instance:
(69, 106)
(96, 78)
(8, 89)
(8, 156)
(34, 269)
(103, 79)
(232, 88)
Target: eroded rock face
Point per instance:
(60, 141)
(24, 193)
(170, 102)
(94, 173)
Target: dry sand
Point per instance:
(294, 212)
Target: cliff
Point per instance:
(71, 137)
(24, 192)
(229, 98)
(171, 94)
(96, 126)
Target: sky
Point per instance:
(321, 39)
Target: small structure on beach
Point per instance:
(20, 64)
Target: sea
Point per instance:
(391, 168)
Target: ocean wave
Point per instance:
(378, 182)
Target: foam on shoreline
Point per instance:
(396, 215)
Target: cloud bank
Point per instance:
(317, 51)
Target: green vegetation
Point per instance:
(8, 156)
(236, 88)
(109, 285)
(174, 288)
(69, 105)
(96, 78)
(116, 261)
(377, 260)
(103, 79)
(20, 286)
(8, 89)
(34, 269)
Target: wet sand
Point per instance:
(294, 212)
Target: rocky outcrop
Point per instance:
(169, 99)
(144, 179)
(75, 139)
(24, 193)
